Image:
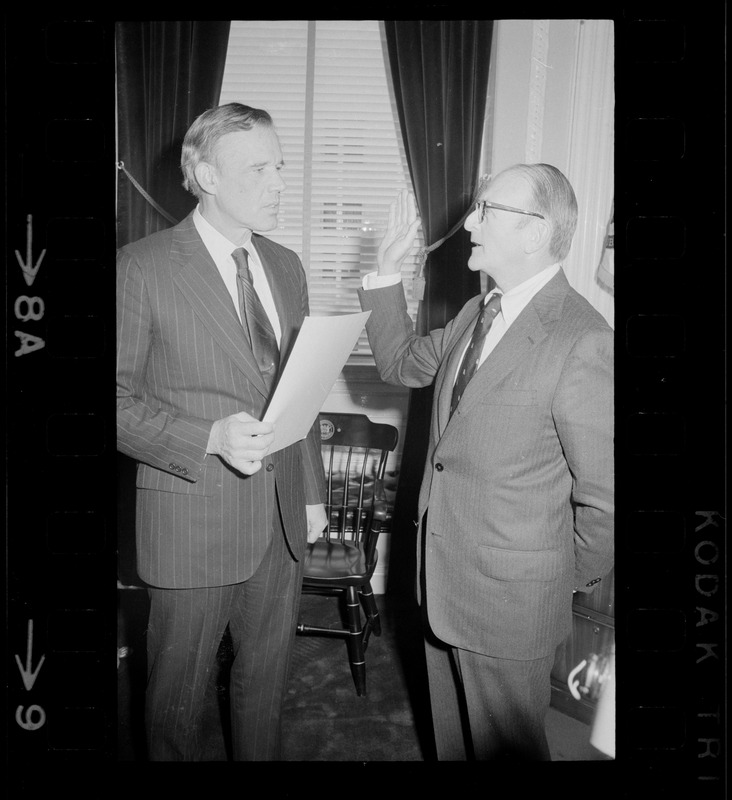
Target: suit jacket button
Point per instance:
(171, 466)
(185, 470)
(270, 467)
(439, 467)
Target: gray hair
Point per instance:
(203, 135)
(553, 197)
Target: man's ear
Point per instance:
(205, 177)
(537, 235)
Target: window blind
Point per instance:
(326, 85)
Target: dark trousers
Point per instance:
(487, 709)
(184, 632)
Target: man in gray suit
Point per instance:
(516, 505)
(207, 311)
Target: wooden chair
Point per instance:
(342, 561)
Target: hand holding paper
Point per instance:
(241, 441)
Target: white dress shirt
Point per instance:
(513, 303)
(221, 249)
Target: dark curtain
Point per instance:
(167, 74)
(440, 74)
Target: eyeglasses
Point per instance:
(481, 206)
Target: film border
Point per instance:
(61, 508)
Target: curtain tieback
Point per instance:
(419, 280)
(159, 209)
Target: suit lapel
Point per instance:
(200, 282)
(527, 330)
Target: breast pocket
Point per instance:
(511, 397)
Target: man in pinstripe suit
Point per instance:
(516, 505)
(222, 524)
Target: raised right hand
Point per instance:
(241, 441)
(400, 233)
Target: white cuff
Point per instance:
(375, 281)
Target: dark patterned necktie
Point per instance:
(255, 320)
(471, 358)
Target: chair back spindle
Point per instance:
(343, 560)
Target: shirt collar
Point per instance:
(515, 300)
(218, 245)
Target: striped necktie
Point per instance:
(471, 359)
(255, 320)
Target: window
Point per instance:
(326, 85)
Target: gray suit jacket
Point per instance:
(183, 362)
(519, 482)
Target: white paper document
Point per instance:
(321, 349)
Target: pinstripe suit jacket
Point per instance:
(183, 362)
(519, 482)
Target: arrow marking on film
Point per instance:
(29, 270)
(28, 674)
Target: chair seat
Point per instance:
(343, 563)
